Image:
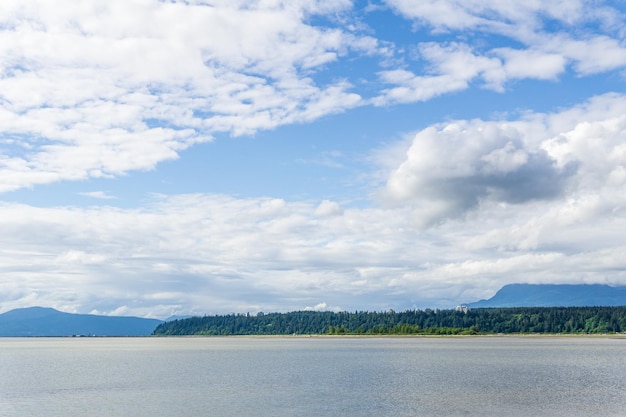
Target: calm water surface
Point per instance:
(318, 376)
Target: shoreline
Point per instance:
(403, 336)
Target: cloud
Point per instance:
(102, 195)
(512, 19)
(203, 251)
(453, 168)
(472, 205)
(80, 257)
(98, 90)
(451, 68)
(590, 56)
(531, 63)
(450, 170)
(322, 307)
(330, 159)
(455, 66)
(545, 45)
(328, 208)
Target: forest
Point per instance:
(567, 320)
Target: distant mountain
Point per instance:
(555, 295)
(40, 321)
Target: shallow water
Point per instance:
(317, 376)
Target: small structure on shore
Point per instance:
(462, 308)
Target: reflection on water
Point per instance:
(317, 376)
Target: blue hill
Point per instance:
(41, 321)
(555, 295)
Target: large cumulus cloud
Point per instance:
(453, 168)
(450, 169)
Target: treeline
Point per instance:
(475, 321)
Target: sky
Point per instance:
(191, 157)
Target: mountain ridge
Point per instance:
(46, 321)
(554, 295)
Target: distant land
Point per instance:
(41, 321)
(516, 308)
(555, 295)
(505, 320)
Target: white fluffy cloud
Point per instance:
(197, 252)
(105, 87)
(451, 68)
(328, 208)
(595, 46)
(477, 204)
(453, 168)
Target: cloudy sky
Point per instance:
(214, 156)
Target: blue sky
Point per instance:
(198, 157)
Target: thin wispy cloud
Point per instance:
(102, 195)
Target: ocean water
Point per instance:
(316, 376)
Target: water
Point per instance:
(318, 376)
